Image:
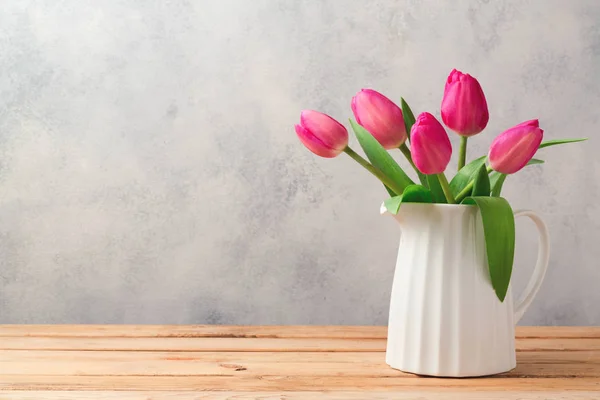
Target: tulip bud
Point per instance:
(464, 109)
(512, 149)
(380, 116)
(430, 145)
(321, 134)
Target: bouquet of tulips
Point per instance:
(381, 125)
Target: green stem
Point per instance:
(462, 152)
(446, 188)
(406, 151)
(465, 192)
(378, 174)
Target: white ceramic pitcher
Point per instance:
(445, 318)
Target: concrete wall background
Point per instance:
(149, 172)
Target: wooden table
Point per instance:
(268, 362)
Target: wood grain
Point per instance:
(252, 344)
(123, 363)
(295, 395)
(233, 362)
(295, 382)
(269, 331)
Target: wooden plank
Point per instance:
(290, 383)
(547, 332)
(259, 369)
(192, 344)
(344, 395)
(253, 344)
(557, 344)
(17, 362)
(49, 356)
(192, 331)
(294, 362)
(332, 332)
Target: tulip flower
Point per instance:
(321, 134)
(430, 146)
(380, 116)
(464, 109)
(431, 149)
(327, 138)
(512, 149)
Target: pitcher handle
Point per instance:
(535, 282)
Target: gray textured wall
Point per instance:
(150, 173)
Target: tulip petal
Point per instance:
(512, 149)
(430, 147)
(380, 117)
(533, 123)
(314, 144)
(330, 132)
(464, 107)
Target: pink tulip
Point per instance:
(512, 149)
(380, 116)
(430, 145)
(321, 134)
(464, 109)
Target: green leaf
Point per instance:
(409, 117)
(498, 182)
(422, 178)
(412, 194)
(497, 179)
(494, 176)
(390, 191)
(406, 151)
(559, 141)
(380, 158)
(535, 161)
(436, 189)
(499, 231)
(481, 186)
(465, 175)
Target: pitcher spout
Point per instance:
(383, 210)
